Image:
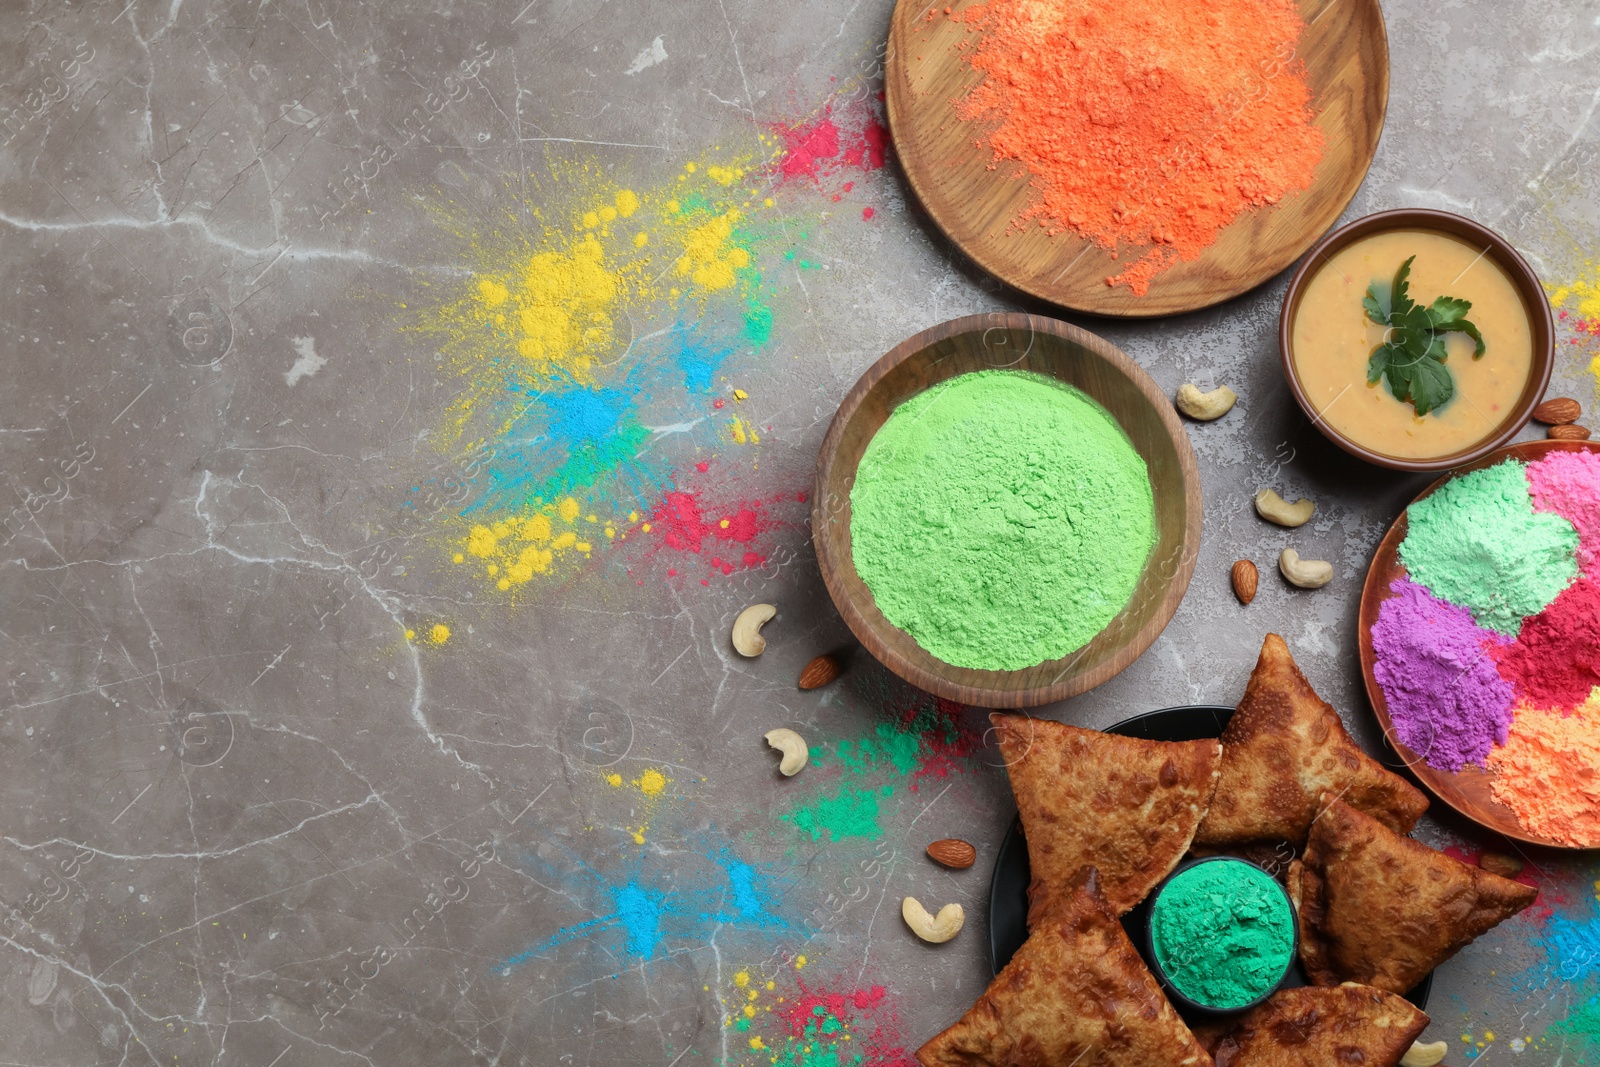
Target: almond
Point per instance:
(1245, 579)
(1558, 411)
(819, 672)
(1568, 432)
(953, 852)
(1501, 864)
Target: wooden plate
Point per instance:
(1045, 346)
(1008, 886)
(1346, 56)
(1466, 790)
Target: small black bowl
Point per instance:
(1141, 916)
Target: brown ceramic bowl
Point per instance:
(1541, 322)
(1079, 358)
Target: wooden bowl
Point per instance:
(1541, 323)
(1466, 790)
(973, 200)
(1079, 358)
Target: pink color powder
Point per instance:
(1568, 484)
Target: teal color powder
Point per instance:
(1222, 932)
(1479, 544)
(1001, 518)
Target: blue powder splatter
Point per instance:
(698, 357)
(584, 416)
(640, 912)
(1573, 948)
(648, 909)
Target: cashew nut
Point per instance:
(1420, 1055)
(747, 639)
(1205, 406)
(1306, 573)
(1273, 508)
(936, 929)
(794, 749)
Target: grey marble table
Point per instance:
(282, 783)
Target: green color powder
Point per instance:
(1001, 518)
(851, 812)
(1478, 543)
(1222, 932)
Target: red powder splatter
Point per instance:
(807, 146)
(727, 535)
(1554, 663)
(718, 404)
(867, 213)
(829, 145)
(881, 1046)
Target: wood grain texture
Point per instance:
(1075, 356)
(1469, 789)
(973, 200)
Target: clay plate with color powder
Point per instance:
(1468, 790)
(1093, 366)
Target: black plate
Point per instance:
(1008, 889)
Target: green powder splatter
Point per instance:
(1583, 1023)
(851, 812)
(1478, 543)
(1222, 932)
(1001, 518)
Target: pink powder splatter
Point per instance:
(867, 213)
(698, 520)
(1568, 484)
(831, 145)
(807, 147)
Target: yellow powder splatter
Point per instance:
(526, 545)
(652, 782)
(742, 432)
(757, 1044)
(741, 979)
(799, 962)
(410, 634)
(614, 781)
(710, 258)
(1549, 772)
(1584, 294)
(439, 634)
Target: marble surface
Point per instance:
(245, 819)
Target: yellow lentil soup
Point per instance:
(1333, 339)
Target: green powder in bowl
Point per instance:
(1222, 933)
(1001, 518)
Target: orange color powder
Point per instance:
(1151, 124)
(1549, 773)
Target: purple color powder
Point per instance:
(1446, 698)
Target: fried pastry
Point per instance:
(1314, 1027)
(1281, 750)
(1075, 993)
(1126, 805)
(1379, 908)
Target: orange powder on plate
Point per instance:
(1152, 124)
(1549, 773)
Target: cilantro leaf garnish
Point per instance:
(1413, 356)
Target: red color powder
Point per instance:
(852, 140)
(702, 466)
(1152, 124)
(807, 146)
(859, 1009)
(1554, 662)
(867, 213)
